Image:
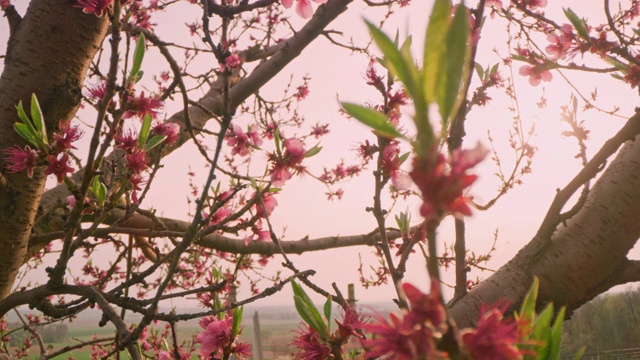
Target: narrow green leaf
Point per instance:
(580, 353)
(434, 46)
(138, 55)
(542, 332)
(313, 151)
(144, 131)
(25, 119)
(155, 141)
(494, 69)
(528, 307)
(394, 60)
(23, 131)
(278, 141)
(237, 321)
(99, 190)
(374, 119)
(38, 118)
(308, 311)
(479, 70)
(577, 23)
(453, 68)
(556, 336)
(327, 312)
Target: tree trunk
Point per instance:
(48, 54)
(583, 258)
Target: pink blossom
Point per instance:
(164, 355)
(442, 188)
(66, 135)
(425, 307)
(534, 4)
(242, 142)
(169, 129)
(303, 7)
(295, 151)
(220, 215)
(142, 106)
(233, 61)
(241, 350)
(216, 335)
(279, 175)
(302, 93)
(4, 4)
(493, 3)
(399, 338)
(126, 141)
(18, 159)
(493, 338)
(270, 204)
(560, 43)
(320, 130)
(137, 161)
(310, 345)
(98, 7)
(536, 74)
(58, 166)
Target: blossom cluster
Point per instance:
(53, 157)
(442, 182)
(217, 339)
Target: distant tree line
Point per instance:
(609, 322)
(50, 333)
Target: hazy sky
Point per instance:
(334, 73)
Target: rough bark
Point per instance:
(48, 54)
(583, 258)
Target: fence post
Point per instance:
(257, 339)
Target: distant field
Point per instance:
(277, 336)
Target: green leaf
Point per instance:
(577, 23)
(23, 131)
(453, 68)
(38, 118)
(278, 141)
(313, 151)
(580, 353)
(528, 307)
(395, 62)
(25, 119)
(308, 312)
(155, 141)
(556, 336)
(479, 70)
(144, 131)
(374, 119)
(99, 190)
(542, 332)
(327, 312)
(237, 321)
(434, 46)
(138, 55)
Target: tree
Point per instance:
(93, 55)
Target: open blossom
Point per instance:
(17, 159)
(216, 335)
(137, 161)
(126, 141)
(534, 4)
(391, 166)
(399, 338)
(242, 142)
(98, 7)
(441, 185)
(270, 204)
(633, 76)
(310, 345)
(303, 7)
(142, 106)
(561, 44)
(66, 136)
(291, 159)
(494, 337)
(536, 74)
(58, 166)
(169, 129)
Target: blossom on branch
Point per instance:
(303, 7)
(494, 337)
(58, 166)
(536, 73)
(442, 183)
(310, 345)
(18, 159)
(66, 135)
(98, 7)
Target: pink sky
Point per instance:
(303, 208)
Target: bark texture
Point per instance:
(583, 258)
(48, 54)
